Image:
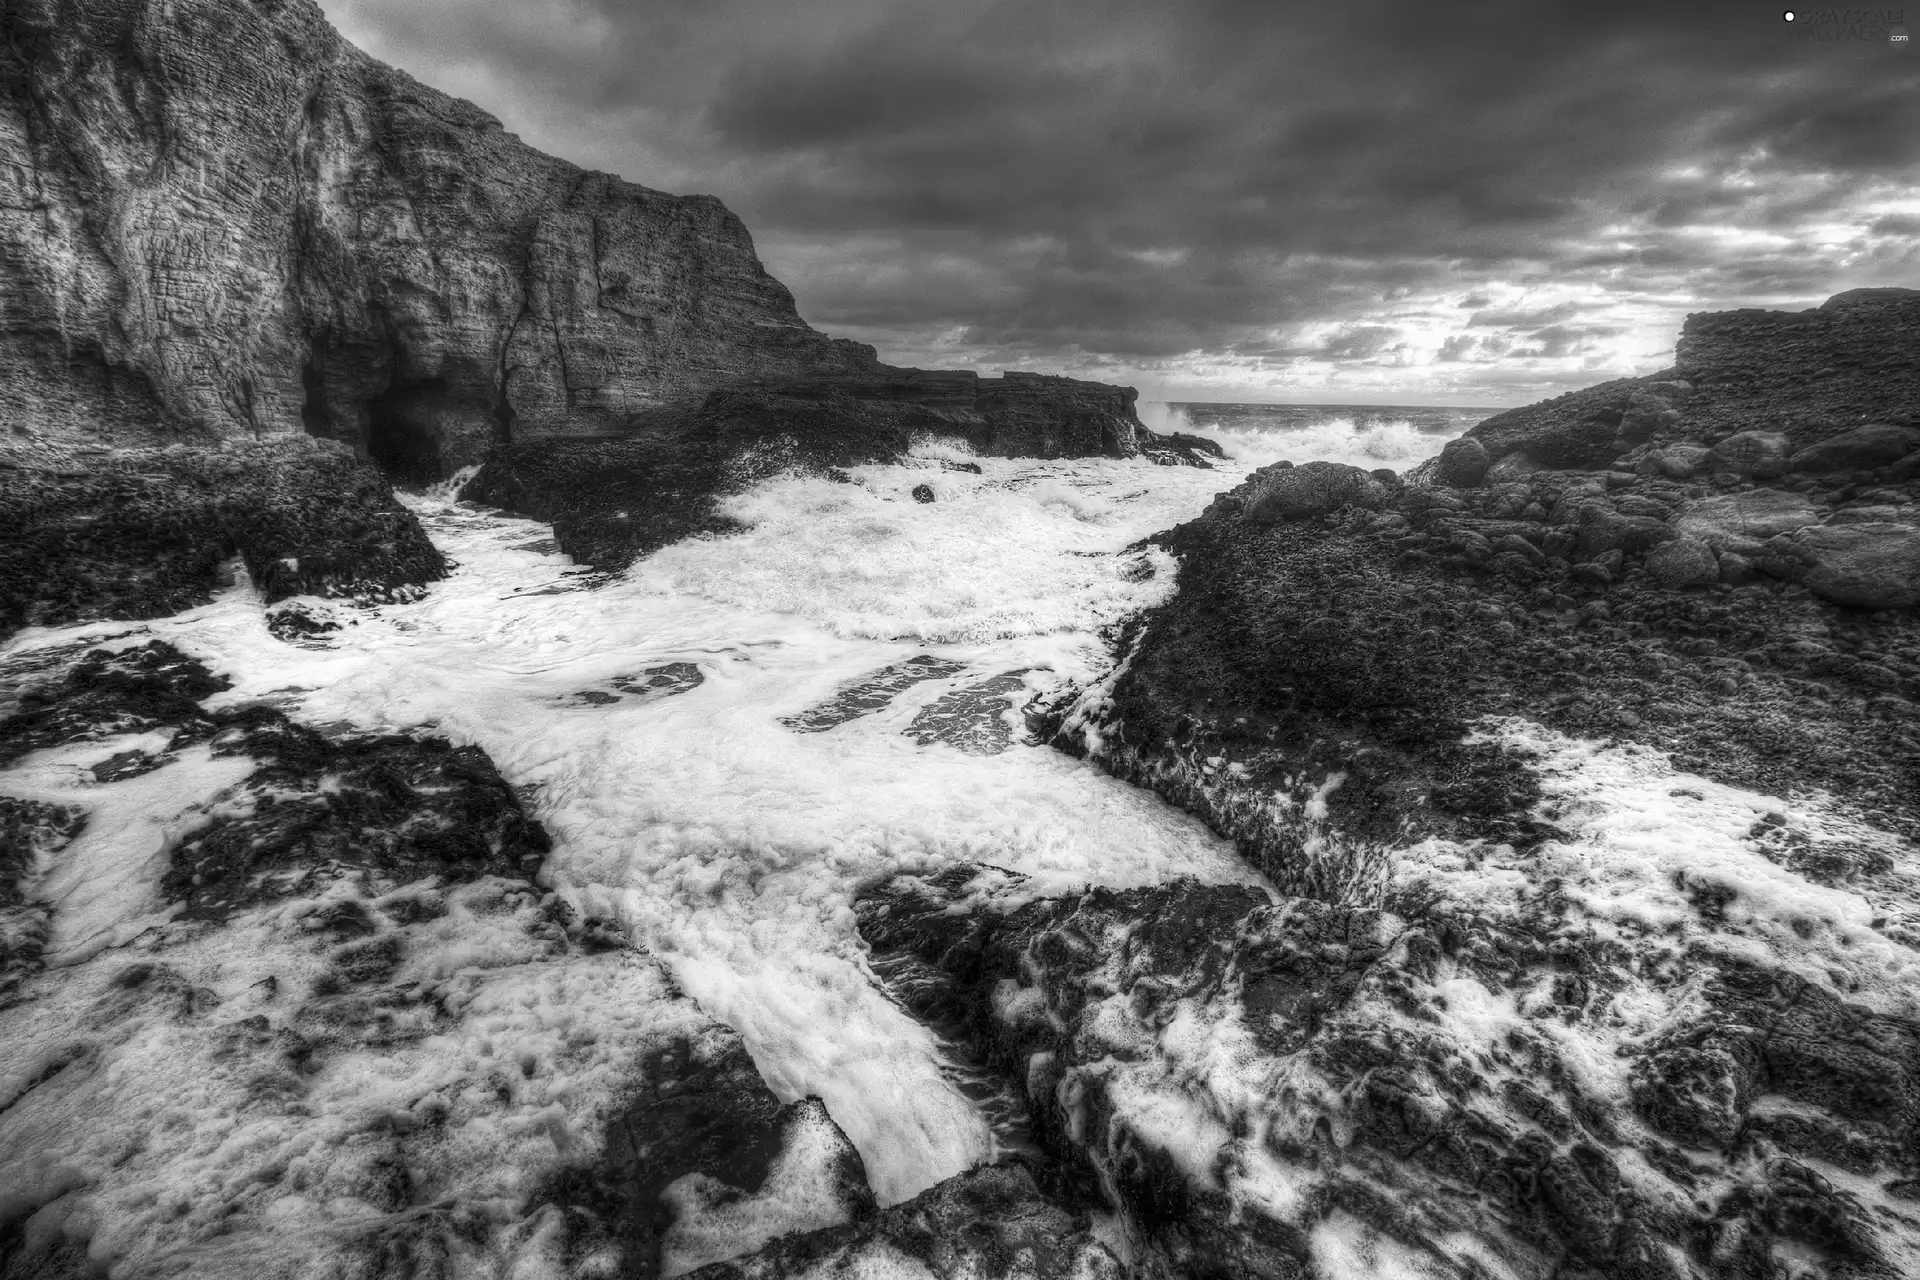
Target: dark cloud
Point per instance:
(1099, 183)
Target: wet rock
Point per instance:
(973, 719)
(1311, 489)
(1861, 449)
(923, 493)
(143, 533)
(870, 693)
(1198, 1046)
(1178, 449)
(990, 1223)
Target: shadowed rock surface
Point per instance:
(140, 533)
(1305, 1088)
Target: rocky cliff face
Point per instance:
(220, 219)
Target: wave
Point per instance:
(1398, 443)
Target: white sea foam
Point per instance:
(731, 845)
(1396, 443)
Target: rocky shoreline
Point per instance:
(1580, 766)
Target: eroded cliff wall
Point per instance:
(218, 218)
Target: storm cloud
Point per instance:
(1233, 198)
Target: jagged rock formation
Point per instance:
(140, 533)
(220, 219)
(1530, 1083)
(1705, 591)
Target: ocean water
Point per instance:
(1369, 436)
(728, 824)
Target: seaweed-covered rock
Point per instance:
(139, 533)
(1313, 1088)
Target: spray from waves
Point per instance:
(1386, 442)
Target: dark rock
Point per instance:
(1861, 449)
(1311, 489)
(1463, 463)
(1868, 566)
(1683, 562)
(870, 693)
(923, 493)
(990, 1223)
(1381, 1099)
(973, 719)
(143, 533)
(1758, 455)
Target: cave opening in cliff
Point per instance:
(401, 436)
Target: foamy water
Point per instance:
(728, 843)
(731, 845)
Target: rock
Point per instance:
(146, 532)
(1680, 461)
(923, 493)
(1602, 529)
(1757, 455)
(1683, 562)
(1314, 488)
(348, 253)
(1865, 448)
(1463, 463)
(1754, 516)
(1178, 448)
(1868, 566)
(1511, 467)
(1404, 1123)
(990, 1223)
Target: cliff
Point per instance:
(220, 219)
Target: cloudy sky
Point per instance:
(1394, 203)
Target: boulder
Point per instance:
(1865, 448)
(1683, 562)
(1756, 515)
(1868, 566)
(1311, 489)
(1463, 463)
(1511, 467)
(1603, 529)
(1760, 455)
(1679, 461)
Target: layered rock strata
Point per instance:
(223, 220)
